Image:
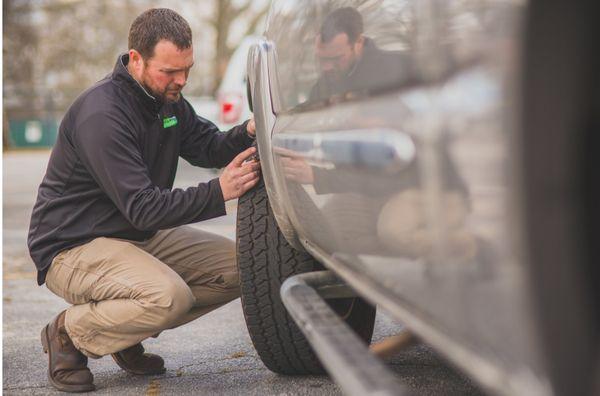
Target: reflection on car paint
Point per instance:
(402, 171)
(377, 149)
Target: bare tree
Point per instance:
(79, 43)
(226, 14)
(54, 49)
(19, 57)
(20, 43)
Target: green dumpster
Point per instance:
(32, 133)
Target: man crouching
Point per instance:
(108, 231)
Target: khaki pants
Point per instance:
(125, 291)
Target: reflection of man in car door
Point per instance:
(373, 213)
(351, 63)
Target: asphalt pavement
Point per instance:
(210, 356)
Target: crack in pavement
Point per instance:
(180, 370)
(223, 371)
(26, 387)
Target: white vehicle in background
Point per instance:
(232, 95)
(204, 106)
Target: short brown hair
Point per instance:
(157, 24)
(343, 20)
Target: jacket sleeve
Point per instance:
(205, 146)
(111, 154)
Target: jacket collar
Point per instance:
(122, 77)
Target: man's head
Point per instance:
(340, 42)
(160, 52)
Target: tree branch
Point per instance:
(236, 12)
(255, 20)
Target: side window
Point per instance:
(342, 50)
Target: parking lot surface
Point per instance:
(210, 356)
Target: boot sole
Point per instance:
(121, 364)
(62, 387)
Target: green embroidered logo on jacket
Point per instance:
(168, 122)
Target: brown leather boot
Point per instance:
(135, 361)
(67, 367)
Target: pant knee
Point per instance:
(172, 302)
(229, 280)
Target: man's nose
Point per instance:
(180, 79)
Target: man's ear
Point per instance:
(136, 62)
(359, 45)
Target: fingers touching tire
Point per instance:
(240, 175)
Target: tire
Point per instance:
(265, 259)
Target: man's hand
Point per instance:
(298, 170)
(295, 167)
(251, 128)
(239, 176)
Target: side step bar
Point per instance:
(343, 354)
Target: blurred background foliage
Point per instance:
(55, 49)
